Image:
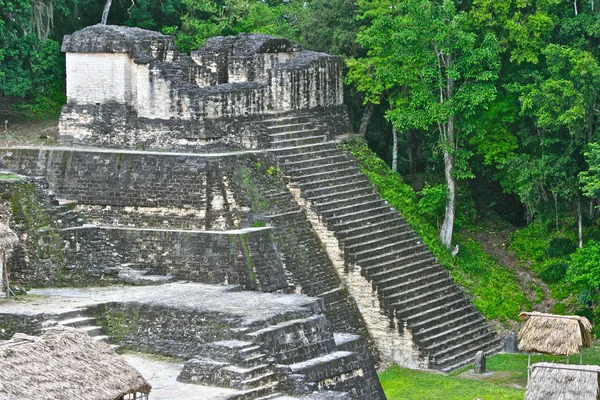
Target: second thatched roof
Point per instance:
(563, 382)
(7, 238)
(554, 334)
(65, 364)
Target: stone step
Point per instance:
(418, 251)
(235, 352)
(236, 372)
(398, 266)
(285, 120)
(298, 174)
(290, 135)
(91, 330)
(454, 339)
(369, 219)
(326, 366)
(326, 207)
(363, 255)
(77, 322)
(444, 312)
(305, 351)
(306, 149)
(465, 355)
(327, 159)
(69, 314)
(294, 159)
(425, 289)
(359, 181)
(422, 304)
(403, 283)
(255, 393)
(101, 338)
(424, 298)
(379, 239)
(255, 382)
(361, 234)
(340, 177)
(296, 127)
(367, 204)
(328, 177)
(440, 324)
(300, 141)
(339, 220)
(318, 201)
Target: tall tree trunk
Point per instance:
(394, 149)
(450, 210)
(412, 160)
(555, 196)
(592, 213)
(579, 222)
(366, 118)
(105, 12)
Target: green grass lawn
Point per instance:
(506, 380)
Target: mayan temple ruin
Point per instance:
(202, 206)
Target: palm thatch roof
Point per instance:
(64, 363)
(7, 238)
(563, 382)
(554, 334)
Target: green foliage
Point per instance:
(494, 289)
(584, 271)
(531, 242)
(554, 272)
(560, 247)
(432, 202)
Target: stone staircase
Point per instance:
(76, 319)
(298, 355)
(409, 282)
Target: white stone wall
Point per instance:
(153, 98)
(97, 78)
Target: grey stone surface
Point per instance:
(511, 343)
(480, 363)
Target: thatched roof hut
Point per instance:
(563, 382)
(65, 363)
(7, 238)
(554, 334)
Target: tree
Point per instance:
(437, 73)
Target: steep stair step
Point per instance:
(255, 393)
(403, 310)
(465, 356)
(326, 207)
(255, 382)
(91, 330)
(325, 199)
(285, 120)
(303, 149)
(301, 126)
(402, 283)
(291, 135)
(441, 324)
(449, 313)
(364, 205)
(77, 322)
(296, 142)
(379, 271)
(387, 247)
(360, 234)
(294, 159)
(431, 338)
(457, 340)
(418, 320)
(379, 239)
(236, 372)
(402, 275)
(315, 169)
(331, 175)
(314, 372)
(426, 289)
(424, 298)
(396, 254)
(322, 161)
(368, 220)
(358, 181)
(340, 220)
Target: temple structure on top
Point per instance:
(129, 87)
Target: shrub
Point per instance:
(554, 272)
(560, 247)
